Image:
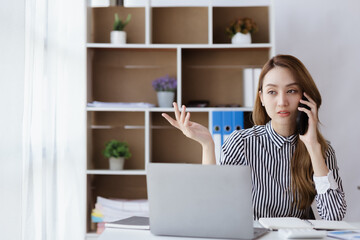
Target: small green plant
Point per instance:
(119, 25)
(241, 25)
(116, 149)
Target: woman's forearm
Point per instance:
(318, 161)
(208, 153)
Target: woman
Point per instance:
(288, 170)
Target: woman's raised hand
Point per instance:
(190, 129)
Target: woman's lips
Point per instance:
(283, 113)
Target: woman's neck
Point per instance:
(283, 130)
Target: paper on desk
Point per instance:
(331, 225)
(284, 222)
(346, 235)
(292, 222)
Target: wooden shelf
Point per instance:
(190, 45)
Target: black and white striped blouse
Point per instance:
(269, 155)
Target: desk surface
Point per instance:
(114, 234)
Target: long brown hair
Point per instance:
(301, 168)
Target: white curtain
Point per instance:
(54, 122)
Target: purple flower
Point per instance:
(165, 83)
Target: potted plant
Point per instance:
(240, 30)
(117, 152)
(165, 87)
(118, 35)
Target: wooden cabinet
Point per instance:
(186, 41)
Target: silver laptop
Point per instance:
(196, 200)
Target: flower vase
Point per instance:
(116, 163)
(241, 38)
(118, 37)
(165, 99)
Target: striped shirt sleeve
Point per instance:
(331, 205)
(233, 150)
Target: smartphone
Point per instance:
(302, 119)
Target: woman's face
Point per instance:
(281, 95)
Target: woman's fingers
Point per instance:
(183, 114)
(187, 119)
(182, 119)
(177, 112)
(310, 102)
(309, 98)
(307, 111)
(172, 121)
(313, 107)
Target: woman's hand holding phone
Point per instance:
(310, 136)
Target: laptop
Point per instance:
(193, 200)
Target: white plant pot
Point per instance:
(116, 163)
(118, 37)
(240, 38)
(165, 99)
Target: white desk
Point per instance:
(126, 234)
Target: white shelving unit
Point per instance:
(197, 56)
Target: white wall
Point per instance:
(325, 36)
(12, 22)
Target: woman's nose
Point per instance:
(282, 100)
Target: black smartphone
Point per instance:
(302, 119)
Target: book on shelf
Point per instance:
(292, 222)
(134, 222)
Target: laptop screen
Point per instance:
(200, 200)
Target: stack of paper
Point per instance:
(120, 104)
(110, 210)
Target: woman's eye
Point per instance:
(292, 91)
(271, 92)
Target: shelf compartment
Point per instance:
(103, 21)
(182, 25)
(224, 16)
(132, 136)
(126, 75)
(220, 85)
(113, 187)
(170, 145)
(119, 187)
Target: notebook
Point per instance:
(193, 200)
(134, 222)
